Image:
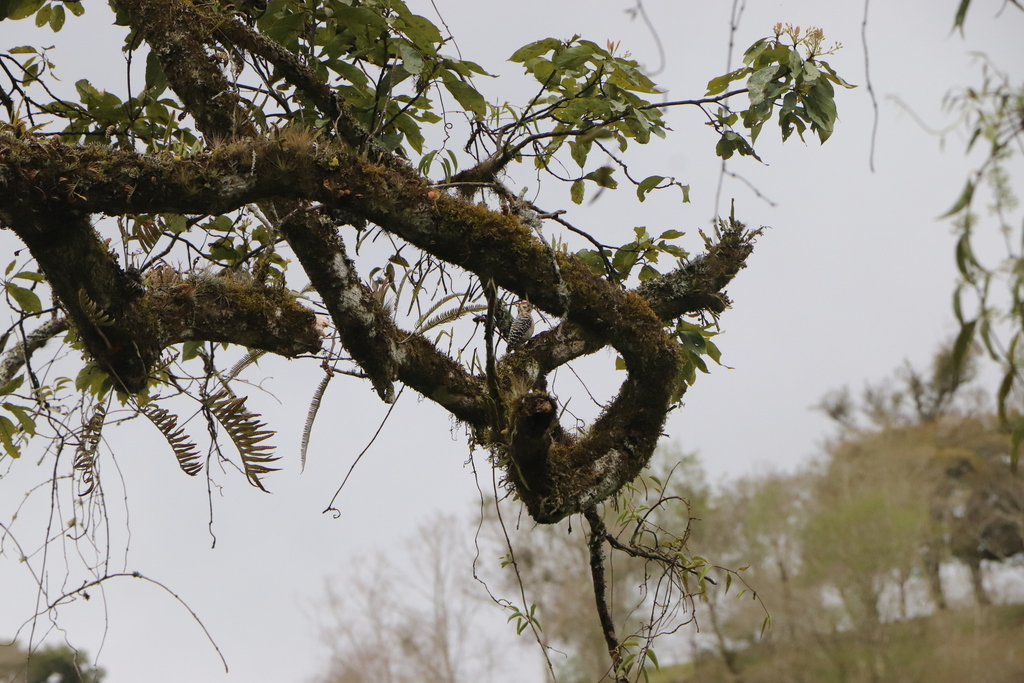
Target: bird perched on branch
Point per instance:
(522, 327)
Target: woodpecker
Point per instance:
(522, 327)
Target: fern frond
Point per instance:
(85, 455)
(147, 233)
(425, 322)
(185, 451)
(96, 315)
(247, 433)
(449, 315)
(314, 407)
(246, 360)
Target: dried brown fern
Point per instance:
(248, 359)
(247, 432)
(314, 407)
(85, 455)
(147, 233)
(185, 451)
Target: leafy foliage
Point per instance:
(988, 298)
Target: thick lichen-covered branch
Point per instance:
(556, 474)
(492, 245)
(179, 35)
(366, 330)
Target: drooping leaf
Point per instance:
(26, 298)
(962, 201)
(465, 94)
(647, 185)
(576, 192)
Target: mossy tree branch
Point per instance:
(49, 192)
(492, 245)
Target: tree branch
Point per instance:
(175, 32)
(19, 355)
(56, 179)
(595, 545)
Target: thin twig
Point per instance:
(598, 534)
(330, 506)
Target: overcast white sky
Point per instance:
(854, 277)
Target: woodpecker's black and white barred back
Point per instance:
(522, 327)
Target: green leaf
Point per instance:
(535, 49)
(30, 275)
(190, 349)
(465, 94)
(671, 235)
(541, 69)
(77, 7)
(712, 351)
(759, 82)
(962, 345)
(624, 260)
(7, 433)
(156, 80)
(1004, 390)
(965, 260)
(574, 57)
(755, 50)
(19, 9)
(175, 222)
(648, 273)
(12, 386)
(821, 108)
(961, 14)
(603, 177)
(26, 298)
(646, 186)
(28, 425)
(592, 260)
(579, 151)
(43, 15)
(962, 201)
(576, 192)
(423, 33)
(833, 76)
(57, 18)
(412, 61)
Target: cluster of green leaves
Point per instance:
(642, 251)
(100, 115)
(994, 116)
(148, 118)
(12, 432)
(588, 94)
(694, 342)
(46, 12)
(25, 302)
(775, 70)
(373, 48)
